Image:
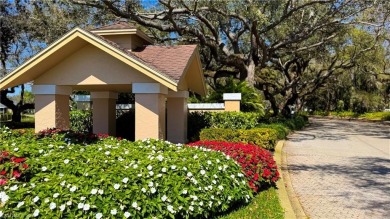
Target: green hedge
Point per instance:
(222, 120)
(81, 120)
(263, 137)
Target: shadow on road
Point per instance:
(370, 175)
(324, 129)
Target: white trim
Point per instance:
(104, 95)
(51, 89)
(149, 88)
(232, 96)
(206, 106)
(178, 94)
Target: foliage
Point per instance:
(264, 205)
(223, 120)
(11, 166)
(281, 130)
(385, 116)
(113, 178)
(258, 164)
(81, 121)
(262, 137)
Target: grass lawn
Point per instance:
(263, 206)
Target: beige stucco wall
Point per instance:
(92, 66)
(149, 116)
(52, 111)
(232, 105)
(127, 41)
(177, 119)
(103, 115)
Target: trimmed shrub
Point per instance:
(258, 164)
(81, 121)
(221, 120)
(117, 179)
(263, 137)
(282, 131)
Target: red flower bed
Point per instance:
(257, 163)
(11, 167)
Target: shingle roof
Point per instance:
(169, 60)
(116, 26)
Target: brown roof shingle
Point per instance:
(170, 60)
(120, 25)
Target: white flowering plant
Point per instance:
(142, 179)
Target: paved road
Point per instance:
(341, 169)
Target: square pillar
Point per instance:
(150, 110)
(232, 102)
(104, 112)
(51, 107)
(177, 113)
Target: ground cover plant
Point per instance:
(113, 178)
(385, 116)
(257, 163)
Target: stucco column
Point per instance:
(177, 116)
(104, 112)
(232, 102)
(150, 110)
(51, 106)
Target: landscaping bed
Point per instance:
(63, 174)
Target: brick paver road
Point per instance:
(341, 169)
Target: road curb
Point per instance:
(288, 198)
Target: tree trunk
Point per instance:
(16, 115)
(250, 75)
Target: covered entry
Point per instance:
(106, 61)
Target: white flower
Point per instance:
(69, 202)
(149, 167)
(219, 168)
(170, 209)
(32, 185)
(159, 175)
(232, 176)
(185, 168)
(52, 206)
(3, 197)
(35, 199)
(107, 153)
(164, 170)
(164, 198)
(189, 174)
(73, 188)
(122, 207)
(56, 195)
(184, 191)
(173, 167)
(135, 166)
(116, 186)
(40, 151)
(16, 149)
(150, 184)
(220, 187)
(229, 198)
(86, 207)
(127, 214)
(66, 161)
(20, 204)
(14, 188)
(191, 208)
(113, 211)
(202, 172)
(62, 207)
(209, 162)
(100, 191)
(152, 190)
(36, 213)
(215, 182)
(80, 205)
(63, 183)
(125, 180)
(196, 156)
(195, 197)
(44, 168)
(200, 203)
(94, 191)
(82, 198)
(47, 200)
(151, 173)
(134, 205)
(139, 175)
(46, 179)
(143, 190)
(98, 215)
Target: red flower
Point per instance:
(16, 174)
(18, 159)
(3, 182)
(5, 153)
(3, 172)
(25, 166)
(256, 177)
(266, 173)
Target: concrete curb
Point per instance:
(351, 119)
(288, 199)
